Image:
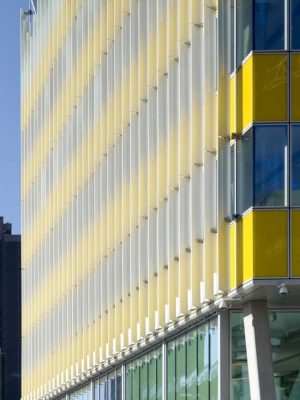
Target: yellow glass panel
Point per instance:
(270, 87)
(239, 101)
(296, 243)
(296, 87)
(265, 247)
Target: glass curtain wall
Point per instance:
(192, 364)
(295, 24)
(260, 25)
(285, 343)
(295, 154)
(262, 167)
(143, 378)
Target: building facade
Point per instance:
(10, 313)
(160, 199)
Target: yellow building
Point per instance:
(160, 199)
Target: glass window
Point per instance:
(295, 165)
(111, 387)
(245, 172)
(152, 377)
(244, 29)
(159, 375)
(232, 180)
(103, 389)
(285, 342)
(171, 372)
(203, 361)
(232, 36)
(295, 9)
(239, 368)
(96, 390)
(118, 385)
(180, 368)
(144, 379)
(270, 166)
(191, 365)
(214, 356)
(269, 24)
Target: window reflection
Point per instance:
(269, 25)
(270, 165)
(245, 172)
(285, 342)
(295, 9)
(296, 165)
(244, 29)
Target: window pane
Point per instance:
(203, 362)
(270, 165)
(232, 38)
(180, 368)
(128, 383)
(135, 382)
(214, 357)
(285, 340)
(159, 377)
(191, 365)
(269, 24)
(144, 379)
(244, 29)
(96, 390)
(171, 372)
(296, 165)
(239, 368)
(119, 385)
(296, 24)
(111, 387)
(232, 180)
(152, 377)
(103, 389)
(245, 172)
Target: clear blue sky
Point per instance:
(9, 111)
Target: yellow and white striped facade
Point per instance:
(122, 230)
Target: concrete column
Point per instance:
(259, 354)
(224, 355)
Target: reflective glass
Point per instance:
(119, 385)
(214, 351)
(136, 381)
(96, 390)
(103, 389)
(239, 367)
(244, 157)
(244, 29)
(159, 375)
(269, 24)
(295, 9)
(152, 377)
(128, 383)
(171, 372)
(285, 342)
(180, 368)
(111, 387)
(191, 365)
(203, 361)
(270, 166)
(232, 180)
(232, 38)
(144, 379)
(295, 165)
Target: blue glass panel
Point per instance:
(244, 29)
(269, 25)
(119, 385)
(296, 165)
(270, 162)
(296, 24)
